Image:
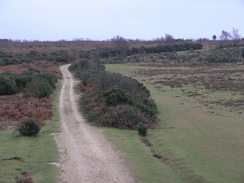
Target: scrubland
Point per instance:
(196, 128)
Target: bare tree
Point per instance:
(120, 42)
(225, 35)
(235, 34)
(169, 38)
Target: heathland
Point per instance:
(186, 95)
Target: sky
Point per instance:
(132, 19)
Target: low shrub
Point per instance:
(142, 129)
(59, 56)
(7, 85)
(29, 127)
(50, 77)
(148, 106)
(33, 69)
(117, 96)
(39, 87)
(123, 117)
(111, 99)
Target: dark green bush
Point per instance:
(123, 117)
(120, 54)
(59, 56)
(142, 129)
(33, 69)
(22, 81)
(117, 96)
(224, 55)
(7, 85)
(148, 106)
(50, 77)
(133, 117)
(33, 54)
(111, 99)
(39, 87)
(29, 127)
(86, 69)
(106, 80)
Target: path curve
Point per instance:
(86, 155)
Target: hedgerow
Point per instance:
(55, 57)
(121, 54)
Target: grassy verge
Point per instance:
(139, 158)
(35, 154)
(203, 146)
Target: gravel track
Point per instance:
(86, 155)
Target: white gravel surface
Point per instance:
(86, 155)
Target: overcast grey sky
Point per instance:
(132, 19)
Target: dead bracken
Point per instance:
(14, 109)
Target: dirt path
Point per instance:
(87, 156)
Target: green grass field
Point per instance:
(31, 154)
(203, 140)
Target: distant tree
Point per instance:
(120, 42)
(235, 35)
(214, 37)
(225, 35)
(169, 38)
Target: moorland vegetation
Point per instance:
(112, 99)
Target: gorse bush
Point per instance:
(122, 116)
(148, 106)
(33, 69)
(116, 96)
(50, 77)
(86, 69)
(105, 80)
(39, 87)
(7, 85)
(224, 55)
(56, 56)
(60, 56)
(142, 129)
(29, 127)
(32, 82)
(111, 99)
(122, 51)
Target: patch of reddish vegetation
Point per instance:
(43, 66)
(164, 159)
(112, 116)
(27, 178)
(15, 109)
(146, 141)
